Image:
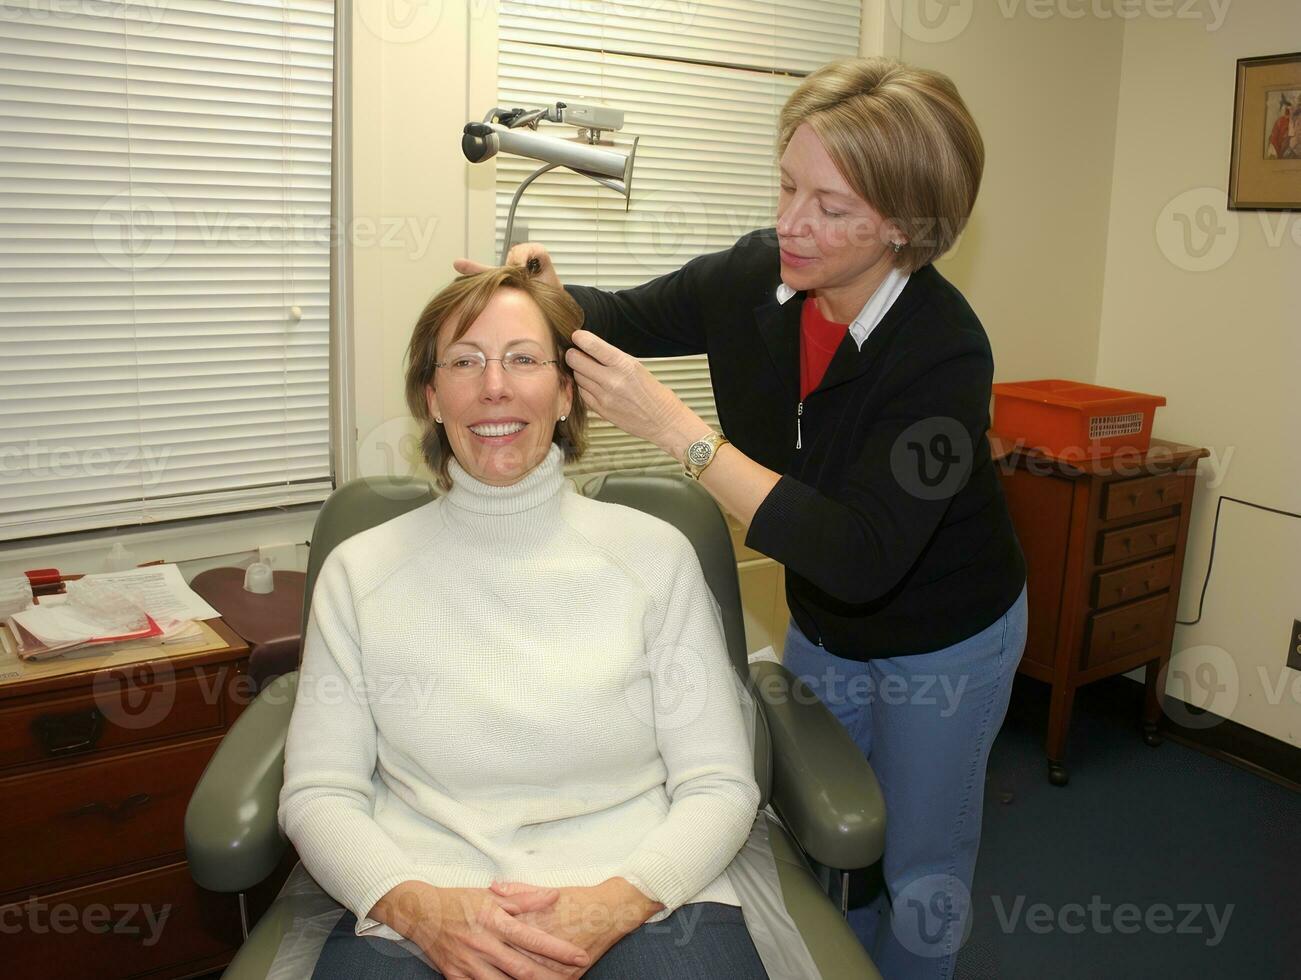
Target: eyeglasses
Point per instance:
(472, 364)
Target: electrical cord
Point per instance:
(1210, 560)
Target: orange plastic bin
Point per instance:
(1071, 419)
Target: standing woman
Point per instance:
(853, 383)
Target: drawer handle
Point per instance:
(74, 732)
(115, 812)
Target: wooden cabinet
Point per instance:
(1104, 544)
(97, 763)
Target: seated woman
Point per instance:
(517, 740)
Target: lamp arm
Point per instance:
(514, 201)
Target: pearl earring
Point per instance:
(438, 419)
(563, 417)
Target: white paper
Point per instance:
(163, 591)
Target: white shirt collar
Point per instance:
(876, 307)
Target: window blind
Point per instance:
(165, 256)
(701, 85)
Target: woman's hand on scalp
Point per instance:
(520, 254)
(477, 934)
(622, 391)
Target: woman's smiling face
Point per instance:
(829, 236)
(500, 424)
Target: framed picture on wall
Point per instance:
(1265, 168)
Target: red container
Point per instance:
(1070, 419)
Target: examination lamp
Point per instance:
(515, 131)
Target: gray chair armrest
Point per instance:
(232, 836)
(823, 788)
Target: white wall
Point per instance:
(1223, 345)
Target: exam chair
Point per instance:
(832, 815)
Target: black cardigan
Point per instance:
(889, 516)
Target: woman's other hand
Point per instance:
(477, 934)
(621, 389)
(521, 254)
(592, 918)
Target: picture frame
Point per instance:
(1265, 164)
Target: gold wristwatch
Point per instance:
(701, 453)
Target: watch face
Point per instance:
(700, 452)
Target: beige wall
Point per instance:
(1223, 344)
(1044, 93)
(419, 73)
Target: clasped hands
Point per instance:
(514, 930)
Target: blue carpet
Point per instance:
(1152, 863)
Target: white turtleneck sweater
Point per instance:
(519, 684)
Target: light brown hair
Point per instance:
(460, 303)
(904, 141)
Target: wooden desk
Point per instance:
(1104, 544)
(98, 758)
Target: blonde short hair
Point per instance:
(460, 303)
(903, 139)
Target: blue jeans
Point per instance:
(926, 722)
(701, 941)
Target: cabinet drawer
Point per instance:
(1137, 540)
(1126, 630)
(138, 703)
(96, 815)
(158, 920)
(1127, 497)
(1132, 582)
